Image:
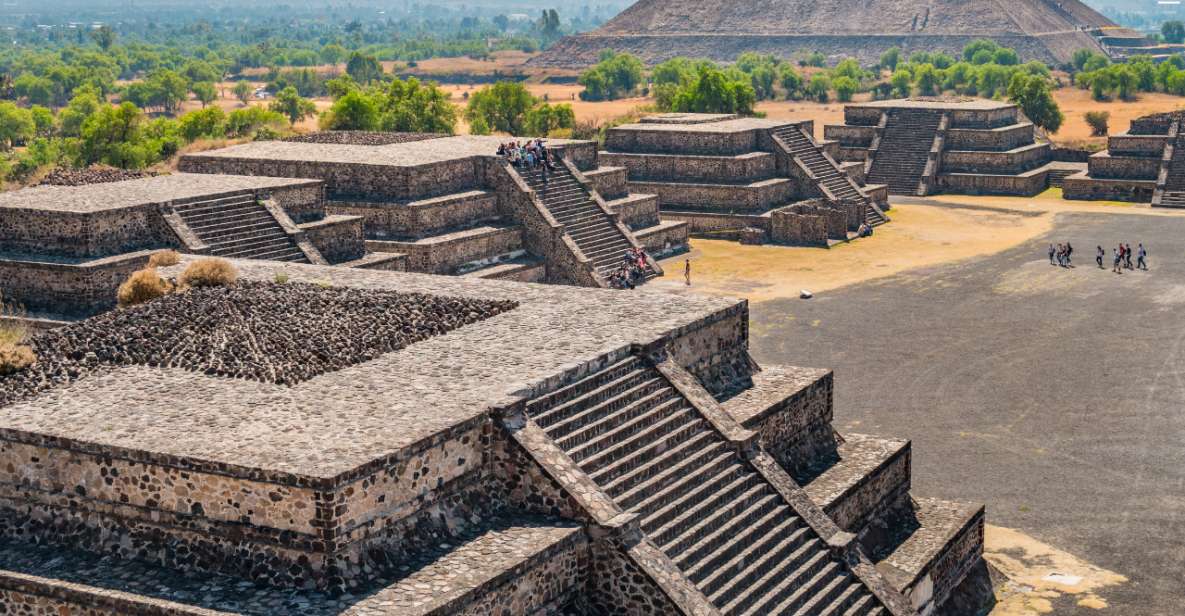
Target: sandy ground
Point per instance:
(1075, 103)
(919, 235)
(1038, 574)
(923, 232)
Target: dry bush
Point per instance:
(1098, 122)
(142, 286)
(209, 273)
(14, 354)
(14, 357)
(164, 258)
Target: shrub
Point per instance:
(209, 273)
(142, 286)
(280, 278)
(164, 258)
(15, 357)
(1099, 122)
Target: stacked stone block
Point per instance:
(527, 476)
(1144, 164)
(450, 206)
(983, 147)
(726, 177)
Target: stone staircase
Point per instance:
(238, 226)
(698, 500)
(900, 160)
(802, 147)
(1174, 189)
(593, 231)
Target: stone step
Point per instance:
(759, 572)
(613, 424)
(231, 220)
(744, 543)
(249, 232)
(661, 462)
(706, 537)
(869, 476)
(522, 269)
(641, 415)
(691, 494)
(630, 453)
(742, 570)
(197, 208)
(583, 386)
(564, 417)
(251, 246)
(833, 590)
(675, 480)
(803, 591)
(222, 213)
(734, 489)
(763, 597)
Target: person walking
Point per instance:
(1129, 256)
(1098, 256)
(1052, 253)
(1142, 258)
(1115, 266)
(1069, 253)
(687, 271)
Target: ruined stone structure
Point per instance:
(520, 449)
(1145, 164)
(739, 177)
(449, 205)
(657, 30)
(65, 249)
(928, 146)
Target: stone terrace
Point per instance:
(452, 207)
(561, 455)
(65, 249)
(959, 145)
(1145, 164)
(751, 179)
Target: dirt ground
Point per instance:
(923, 232)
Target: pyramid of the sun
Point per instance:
(656, 30)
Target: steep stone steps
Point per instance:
(655, 454)
(869, 475)
(1174, 190)
(900, 161)
(802, 147)
(238, 226)
(593, 231)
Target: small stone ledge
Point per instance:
(866, 479)
(775, 389)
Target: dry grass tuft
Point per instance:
(209, 273)
(14, 354)
(142, 286)
(164, 258)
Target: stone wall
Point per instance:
(718, 226)
(1137, 145)
(89, 235)
(1104, 165)
(752, 198)
(419, 219)
(337, 238)
(445, 253)
(609, 182)
(656, 141)
(747, 167)
(637, 213)
(1084, 188)
(1013, 161)
(1026, 184)
(1002, 138)
(788, 226)
(302, 203)
(75, 289)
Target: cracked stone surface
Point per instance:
(131, 193)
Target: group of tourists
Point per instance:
(633, 269)
(1121, 258)
(528, 156)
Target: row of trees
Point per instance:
(1124, 80)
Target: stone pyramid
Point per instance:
(656, 30)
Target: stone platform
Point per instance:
(728, 177)
(535, 455)
(65, 249)
(1144, 165)
(929, 146)
(430, 199)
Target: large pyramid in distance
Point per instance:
(656, 30)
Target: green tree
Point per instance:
(845, 88)
(976, 46)
(542, 119)
(1079, 59)
(43, 120)
(791, 81)
(479, 127)
(205, 92)
(415, 106)
(209, 123)
(104, 36)
(1099, 122)
(243, 91)
(354, 111)
(84, 104)
(364, 69)
(1033, 95)
(615, 76)
(333, 54)
(1173, 31)
(1006, 57)
(113, 135)
(549, 25)
(713, 91)
(928, 80)
(503, 106)
(292, 105)
(16, 125)
(902, 81)
(37, 90)
(891, 58)
(197, 71)
(819, 88)
(243, 122)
